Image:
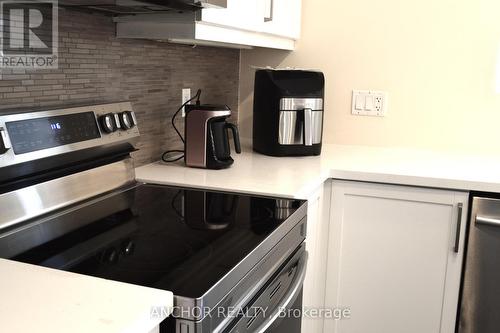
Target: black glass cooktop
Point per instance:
(156, 236)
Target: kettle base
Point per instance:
(214, 165)
(283, 151)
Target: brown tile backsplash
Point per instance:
(95, 67)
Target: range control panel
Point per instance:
(33, 135)
(41, 133)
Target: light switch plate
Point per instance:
(374, 103)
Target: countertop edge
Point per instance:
(304, 191)
(298, 177)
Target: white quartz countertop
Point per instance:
(43, 300)
(38, 299)
(297, 177)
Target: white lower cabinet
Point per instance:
(392, 259)
(318, 209)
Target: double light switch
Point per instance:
(369, 103)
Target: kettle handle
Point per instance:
(236, 137)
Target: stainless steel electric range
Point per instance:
(69, 201)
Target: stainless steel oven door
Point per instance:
(277, 309)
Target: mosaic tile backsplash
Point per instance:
(95, 67)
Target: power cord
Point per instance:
(164, 157)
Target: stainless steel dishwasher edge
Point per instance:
(480, 296)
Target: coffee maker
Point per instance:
(207, 138)
(288, 112)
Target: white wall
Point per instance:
(439, 60)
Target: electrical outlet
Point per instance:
(379, 103)
(186, 96)
(369, 103)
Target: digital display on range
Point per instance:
(41, 133)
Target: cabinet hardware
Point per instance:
(268, 17)
(459, 226)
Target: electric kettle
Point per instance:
(207, 137)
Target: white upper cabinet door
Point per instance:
(239, 14)
(275, 17)
(281, 17)
(392, 258)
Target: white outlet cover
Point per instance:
(376, 106)
(186, 96)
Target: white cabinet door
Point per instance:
(391, 258)
(239, 14)
(318, 211)
(281, 17)
(264, 23)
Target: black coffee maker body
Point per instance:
(288, 112)
(207, 137)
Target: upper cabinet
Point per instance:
(276, 17)
(281, 18)
(243, 24)
(239, 14)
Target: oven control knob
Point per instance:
(107, 122)
(127, 120)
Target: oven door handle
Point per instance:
(290, 296)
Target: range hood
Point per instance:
(128, 7)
